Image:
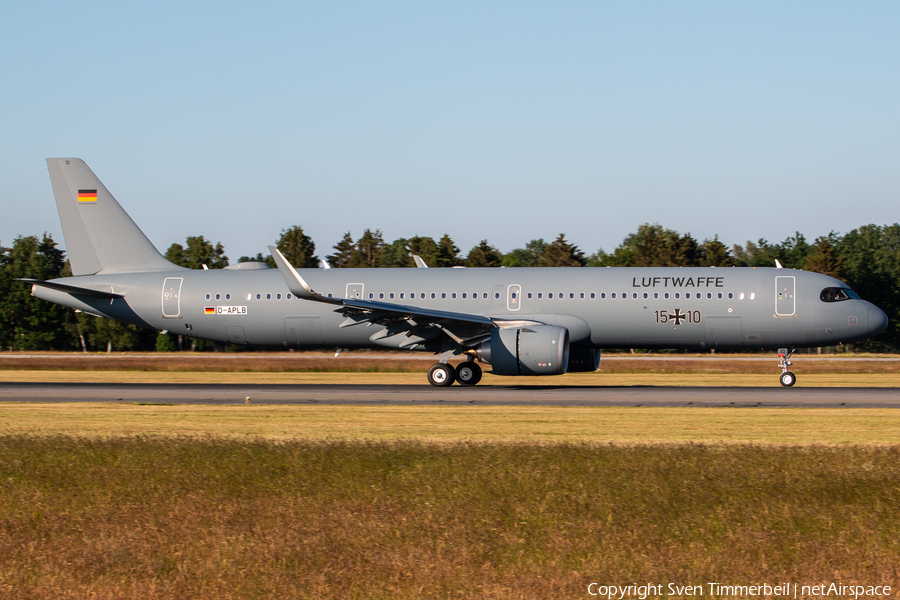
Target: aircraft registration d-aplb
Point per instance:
(520, 321)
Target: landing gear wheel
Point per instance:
(787, 379)
(441, 375)
(468, 373)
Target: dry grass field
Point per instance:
(202, 517)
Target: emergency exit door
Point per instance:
(785, 302)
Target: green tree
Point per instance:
(425, 247)
(367, 252)
(27, 323)
(713, 253)
(165, 343)
(561, 254)
(199, 252)
(484, 255)
(343, 253)
(298, 248)
(870, 263)
(824, 258)
(529, 256)
(396, 255)
(651, 246)
(447, 254)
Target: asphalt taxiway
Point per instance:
(406, 395)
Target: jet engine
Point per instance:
(532, 350)
(583, 360)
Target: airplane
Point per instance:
(520, 321)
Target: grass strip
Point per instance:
(451, 424)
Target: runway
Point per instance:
(408, 395)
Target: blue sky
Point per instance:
(505, 121)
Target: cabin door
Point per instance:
(171, 297)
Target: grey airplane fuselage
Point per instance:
(678, 308)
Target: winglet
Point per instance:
(778, 264)
(295, 283)
(419, 262)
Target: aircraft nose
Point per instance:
(878, 321)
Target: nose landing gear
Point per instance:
(786, 378)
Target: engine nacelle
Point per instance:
(533, 350)
(583, 360)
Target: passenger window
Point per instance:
(720, 295)
(453, 296)
(228, 296)
(269, 296)
(593, 295)
(741, 296)
(752, 295)
(218, 296)
(613, 296)
(278, 296)
(381, 295)
(550, 295)
(371, 295)
(497, 295)
(529, 295)
(656, 295)
(646, 295)
(624, 295)
(560, 295)
(475, 296)
(392, 295)
(433, 295)
(581, 295)
(677, 295)
(634, 295)
(514, 295)
(401, 295)
(709, 295)
(443, 295)
(258, 296)
(484, 295)
(248, 296)
(602, 295)
(422, 296)
(730, 295)
(666, 295)
(289, 296)
(540, 295)
(571, 295)
(464, 295)
(207, 296)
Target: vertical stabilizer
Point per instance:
(100, 236)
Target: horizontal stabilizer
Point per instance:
(71, 289)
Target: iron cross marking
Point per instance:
(677, 316)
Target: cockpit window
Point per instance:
(837, 294)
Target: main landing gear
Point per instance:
(786, 378)
(443, 374)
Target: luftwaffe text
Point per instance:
(679, 282)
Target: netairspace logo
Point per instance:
(722, 590)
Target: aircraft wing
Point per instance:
(418, 324)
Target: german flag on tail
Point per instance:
(87, 195)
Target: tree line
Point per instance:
(866, 258)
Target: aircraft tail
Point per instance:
(100, 236)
